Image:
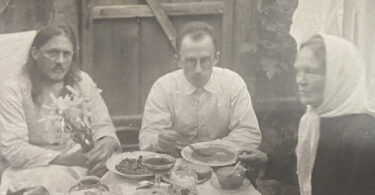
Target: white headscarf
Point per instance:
(344, 93)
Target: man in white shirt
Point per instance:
(200, 102)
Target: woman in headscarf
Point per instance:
(335, 151)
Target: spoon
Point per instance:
(200, 151)
(236, 167)
(144, 184)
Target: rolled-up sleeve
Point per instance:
(102, 125)
(244, 128)
(14, 138)
(156, 117)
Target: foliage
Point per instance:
(72, 115)
(277, 48)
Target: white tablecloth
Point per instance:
(127, 186)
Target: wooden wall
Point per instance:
(22, 15)
(130, 54)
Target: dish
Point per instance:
(116, 159)
(222, 154)
(167, 179)
(244, 186)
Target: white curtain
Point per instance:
(353, 20)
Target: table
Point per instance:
(127, 186)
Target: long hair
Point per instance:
(41, 38)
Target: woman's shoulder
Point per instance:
(358, 127)
(362, 120)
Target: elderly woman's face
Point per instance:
(54, 58)
(310, 78)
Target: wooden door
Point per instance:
(125, 49)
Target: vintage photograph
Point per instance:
(187, 97)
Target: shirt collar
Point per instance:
(211, 85)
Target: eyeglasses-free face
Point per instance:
(54, 58)
(310, 78)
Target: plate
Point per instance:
(116, 159)
(224, 156)
(166, 178)
(215, 183)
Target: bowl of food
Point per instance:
(129, 165)
(229, 178)
(158, 163)
(210, 154)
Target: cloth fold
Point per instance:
(345, 92)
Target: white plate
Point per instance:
(116, 159)
(187, 154)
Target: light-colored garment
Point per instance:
(220, 111)
(29, 143)
(344, 93)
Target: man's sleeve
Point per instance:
(244, 128)
(156, 117)
(14, 134)
(102, 125)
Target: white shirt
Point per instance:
(221, 111)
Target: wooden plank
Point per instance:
(245, 40)
(164, 22)
(227, 49)
(86, 29)
(116, 64)
(156, 55)
(172, 9)
(22, 15)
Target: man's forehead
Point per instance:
(58, 42)
(203, 42)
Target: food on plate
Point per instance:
(229, 179)
(175, 190)
(219, 154)
(157, 161)
(132, 166)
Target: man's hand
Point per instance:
(167, 142)
(71, 157)
(253, 157)
(98, 156)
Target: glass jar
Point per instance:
(89, 185)
(184, 182)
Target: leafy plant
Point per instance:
(277, 48)
(72, 115)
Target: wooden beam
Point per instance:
(87, 37)
(227, 49)
(164, 21)
(172, 9)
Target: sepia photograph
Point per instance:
(187, 97)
